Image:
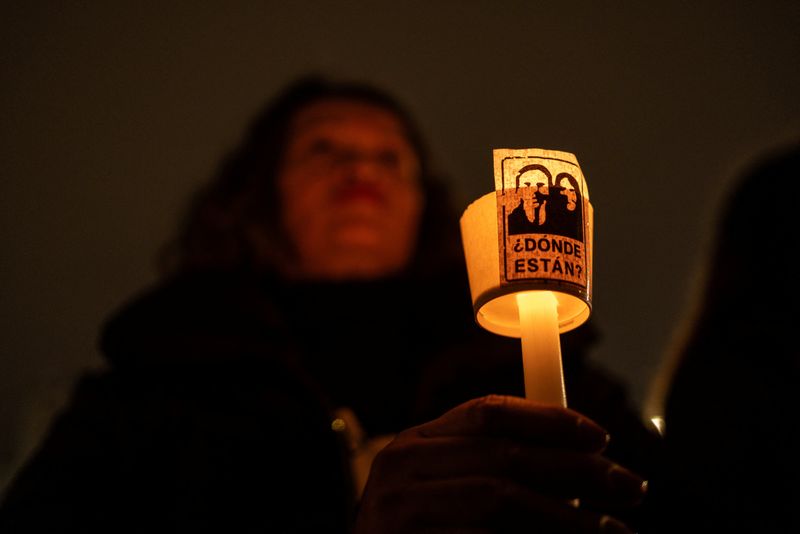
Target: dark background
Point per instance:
(114, 112)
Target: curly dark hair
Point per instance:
(233, 222)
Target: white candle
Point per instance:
(541, 347)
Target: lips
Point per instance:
(360, 193)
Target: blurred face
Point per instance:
(350, 191)
(569, 192)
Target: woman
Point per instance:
(314, 313)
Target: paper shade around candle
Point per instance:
(528, 247)
(534, 232)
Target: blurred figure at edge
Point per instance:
(731, 392)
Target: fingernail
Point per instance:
(593, 433)
(609, 525)
(626, 484)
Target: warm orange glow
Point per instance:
(528, 247)
(489, 252)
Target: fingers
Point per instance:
(562, 474)
(519, 419)
(483, 503)
(501, 464)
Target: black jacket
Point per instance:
(215, 410)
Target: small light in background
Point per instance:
(338, 425)
(658, 422)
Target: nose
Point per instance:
(358, 166)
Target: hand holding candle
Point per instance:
(497, 462)
(528, 247)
